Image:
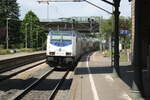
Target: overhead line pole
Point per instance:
(7, 36)
(26, 36)
(116, 13)
(116, 37)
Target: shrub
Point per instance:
(4, 51)
(28, 49)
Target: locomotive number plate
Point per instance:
(60, 54)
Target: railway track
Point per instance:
(13, 63)
(14, 66)
(52, 93)
(14, 70)
(10, 73)
(55, 91)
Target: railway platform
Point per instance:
(20, 54)
(93, 80)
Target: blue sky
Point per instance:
(58, 10)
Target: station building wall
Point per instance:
(141, 21)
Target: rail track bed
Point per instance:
(47, 87)
(19, 82)
(38, 83)
(10, 73)
(13, 63)
(32, 80)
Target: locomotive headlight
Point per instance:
(52, 53)
(68, 53)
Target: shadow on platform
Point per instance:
(126, 72)
(45, 85)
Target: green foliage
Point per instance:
(107, 53)
(125, 40)
(27, 50)
(123, 56)
(9, 9)
(125, 23)
(2, 52)
(106, 27)
(31, 27)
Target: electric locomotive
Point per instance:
(65, 47)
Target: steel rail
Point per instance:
(58, 86)
(20, 71)
(21, 94)
(3, 61)
(17, 65)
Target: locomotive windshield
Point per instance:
(61, 38)
(64, 33)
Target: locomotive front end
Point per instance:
(60, 47)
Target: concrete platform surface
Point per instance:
(93, 80)
(14, 55)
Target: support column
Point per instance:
(148, 62)
(116, 68)
(137, 85)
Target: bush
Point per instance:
(1, 47)
(19, 45)
(107, 53)
(4, 51)
(28, 49)
(123, 56)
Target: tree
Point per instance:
(106, 27)
(106, 31)
(31, 28)
(125, 24)
(9, 9)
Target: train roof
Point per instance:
(68, 31)
(62, 31)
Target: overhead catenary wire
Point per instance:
(99, 7)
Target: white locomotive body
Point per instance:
(65, 47)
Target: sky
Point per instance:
(70, 9)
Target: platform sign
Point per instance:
(124, 32)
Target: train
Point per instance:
(66, 47)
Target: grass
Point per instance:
(28, 50)
(107, 53)
(123, 55)
(5, 51)
(9, 51)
